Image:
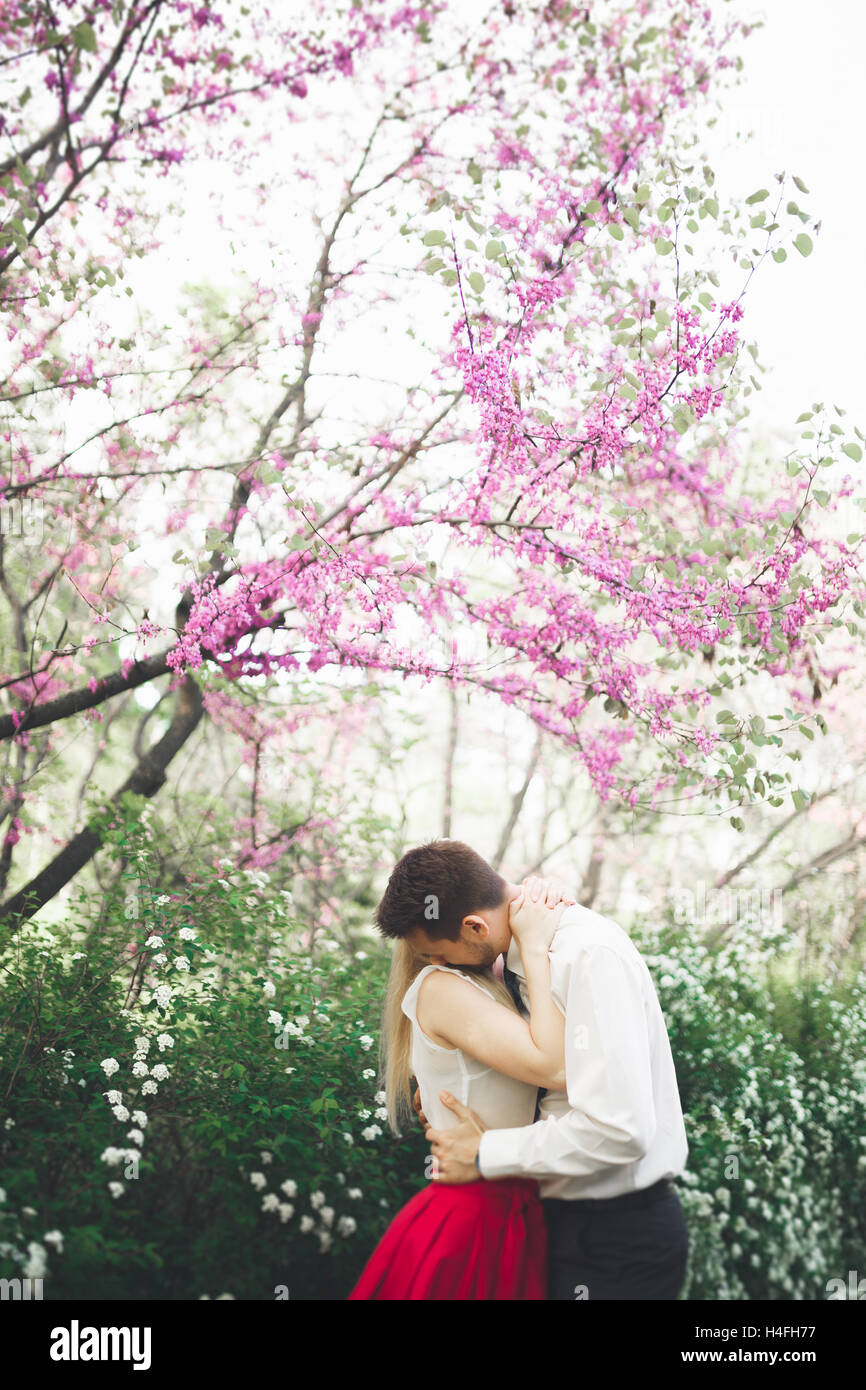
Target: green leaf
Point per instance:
(853, 451)
(493, 249)
(592, 207)
(476, 280)
(663, 246)
(759, 196)
(780, 254)
(616, 231)
(84, 37)
(643, 194)
(726, 716)
(803, 243)
(434, 238)
(800, 184)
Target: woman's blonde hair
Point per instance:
(395, 1039)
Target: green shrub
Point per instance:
(258, 1164)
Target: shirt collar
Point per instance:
(513, 961)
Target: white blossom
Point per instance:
(36, 1263)
(258, 1181)
(110, 1065)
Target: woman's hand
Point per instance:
(550, 889)
(534, 922)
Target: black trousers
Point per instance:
(630, 1247)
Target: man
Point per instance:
(604, 1151)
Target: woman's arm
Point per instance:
(455, 1013)
(533, 924)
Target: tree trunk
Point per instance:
(145, 780)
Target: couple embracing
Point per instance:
(549, 1096)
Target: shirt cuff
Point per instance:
(496, 1153)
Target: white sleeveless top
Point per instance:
(500, 1101)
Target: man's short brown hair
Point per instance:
(434, 887)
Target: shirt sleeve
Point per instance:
(611, 1117)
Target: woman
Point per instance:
(461, 1032)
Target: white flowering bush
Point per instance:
(193, 1132)
(218, 1131)
(771, 1072)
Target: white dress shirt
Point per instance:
(619, 1125)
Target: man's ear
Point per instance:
(475, 925)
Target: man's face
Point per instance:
(483, 936)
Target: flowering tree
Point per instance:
(543, 492)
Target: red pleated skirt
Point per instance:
(476, 1240)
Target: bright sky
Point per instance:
(801, 92)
